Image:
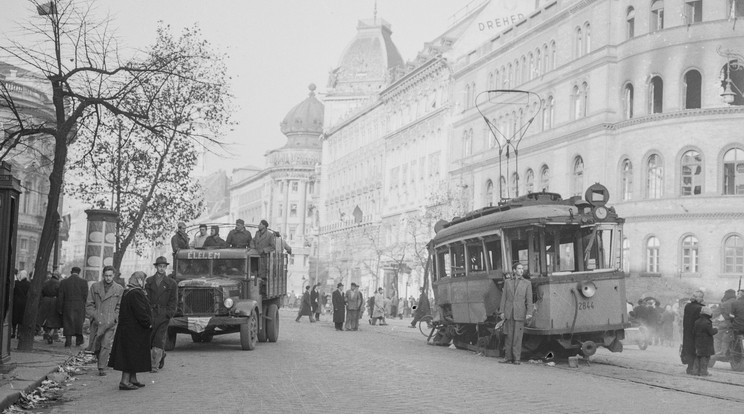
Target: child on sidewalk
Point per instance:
(704, 332)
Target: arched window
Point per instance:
(694, 11)
(546, 59)
(733, 254)
(529, 181)
(548, 111)
(626, 180)
(691, 173)
(576, 102)
(654, 177)
(490, 80)
(626, 255)
(538, 62)
(733, 172)
(584, 98)
(489, 193)
(733, 80)
(577, 42)
(504, 77)
(497, 79)
(545, 178)
(517, 73)
(628, 101)
(690, 254)
(502, 187)
(655, 95)
(657, 15)
(531, 71)
(467, 149)
(630, 23)
(514, 185)
(508, 75)
(552, 55)
(652, 255)
(578, 176)
(587, 38)
(693, 83)
(525, 69)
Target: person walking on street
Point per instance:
(305, 306)
(131, 352)
(73, 293)
(102, 308)
(703, 331)
(315, 301)
(163, 294)
(692, 313)
(354, 304)
(339, 307)
(20, 295)
(515, 309)
(48, 316)
(422, 308)
(180, 240)
(378, 312)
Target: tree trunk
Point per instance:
(46, 243)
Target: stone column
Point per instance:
(285, 230)
(302, 208)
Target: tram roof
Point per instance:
(557, 213)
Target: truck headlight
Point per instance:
(229, 303)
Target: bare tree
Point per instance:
(78, 58)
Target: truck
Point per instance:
(229, 290)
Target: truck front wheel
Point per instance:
(249, 333)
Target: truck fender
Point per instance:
(245, 307)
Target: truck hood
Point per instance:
(213, 282)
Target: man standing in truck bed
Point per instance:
(264, 242)
(239, 237)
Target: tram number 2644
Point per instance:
(586, 305)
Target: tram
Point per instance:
(571, 252)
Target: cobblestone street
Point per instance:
(315, 369)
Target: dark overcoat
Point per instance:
(163, 300)
(131, 349)
(48, 316)
(692, 313)
(704, 331)
(305, 307)
(73, 293)
(314, 300)
(20, 293)
(339, 307)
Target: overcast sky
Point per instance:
(276, 47)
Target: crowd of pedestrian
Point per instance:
(657, 320)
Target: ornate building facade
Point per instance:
(635, 95)
(31, 160)
(285, 192)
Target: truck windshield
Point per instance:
(228, 267)
(193, 267)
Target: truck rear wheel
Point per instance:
(249, 333)
(170, 339)
(272, 326)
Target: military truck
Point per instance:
(229, 290)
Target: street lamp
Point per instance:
(734, 61)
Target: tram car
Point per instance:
(571, 252)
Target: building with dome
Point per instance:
(285, 191)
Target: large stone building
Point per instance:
(631, 97)
(31, 160)
(285, 192)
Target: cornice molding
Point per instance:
(685, 217)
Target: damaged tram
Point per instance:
(571, 251)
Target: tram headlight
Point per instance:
(587, 288)
(228, 303)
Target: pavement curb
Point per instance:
(14, 396)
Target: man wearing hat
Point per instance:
(354, 303)
(180, 240)
(162, 291)
(703, 331)
(339, 307)
(214, 240)
(73, 293)
(200, 237)
(239, 237)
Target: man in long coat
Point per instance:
(692, 313)
(48, 317)
(20, 295)
(163, 294)
(263, 241)
(354, 304)
(102, 308)
(515, 309)
(73, 292)
(339, 307)
(180, 240)
(305, 306)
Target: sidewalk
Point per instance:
(25, 370)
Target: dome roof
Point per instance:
(305, 117)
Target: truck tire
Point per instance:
(249, 333)
(170, 339)
(272, 326)
(262, 328)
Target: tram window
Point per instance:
(493, 254)
(476, 261)
(457, 259)
(598, 247)
(443, 264)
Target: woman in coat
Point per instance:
(48, 317)
(704, 333)
(20, 293)
(130, 353)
